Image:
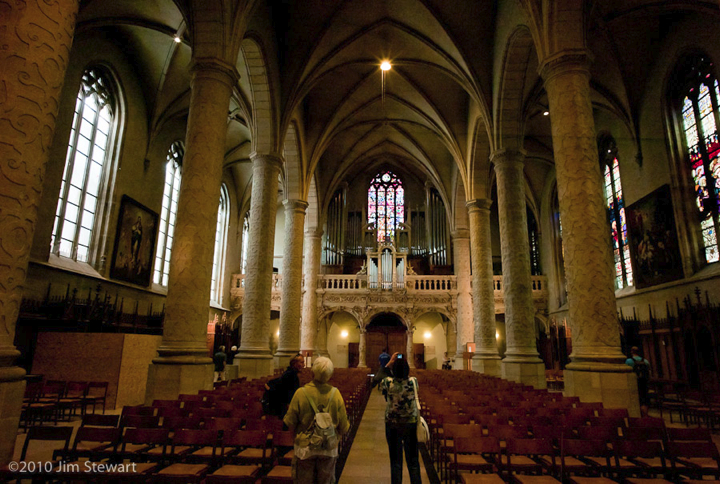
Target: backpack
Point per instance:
(321, 434)
(641, 369)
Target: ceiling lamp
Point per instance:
(177, 39)
(385, 65)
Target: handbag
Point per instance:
(423, 431)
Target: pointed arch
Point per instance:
(263, 123)
(509, 115)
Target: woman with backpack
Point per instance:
(401, 416)
(317, 416)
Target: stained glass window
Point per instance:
(221, 228)
(171, 194)
(245, 241)
(616, 215)
(82, 183)
(386, 204)
(699, 119)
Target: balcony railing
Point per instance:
(354, 282)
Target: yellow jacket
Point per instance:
(300, 415)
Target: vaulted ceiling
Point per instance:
(437, 113)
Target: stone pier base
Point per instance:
(255, 366)
(11, 397)
(615, 389)
(487, 365)
(525, 372)
(167, 381)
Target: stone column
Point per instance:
(254, 358)
(461, 261)
(309, 327)
(322, 332)
(486, 359)
(451, 339)
(522, 362)
(410, 354)
(183, 364)
(35, 40)
(597, 372)
(290, 305)
(361, 349)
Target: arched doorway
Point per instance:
(386, 330)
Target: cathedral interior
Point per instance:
(525, 188)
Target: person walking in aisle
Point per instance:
(316, 451)
(401, 415)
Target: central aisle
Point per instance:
(369, 460)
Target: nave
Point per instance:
(482, 423)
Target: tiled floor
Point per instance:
(369, 460)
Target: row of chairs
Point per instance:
(55, 399)
(185, 455)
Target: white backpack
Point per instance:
(321, 435)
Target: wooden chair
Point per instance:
(694, 459)
(95, 420)
(530, 456)
(144, 444)
(475, 455)
(40, 434)
(96, 394)
(247, 447)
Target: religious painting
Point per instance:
(653, 239)
(134, 243)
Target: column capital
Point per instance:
(214, 68)
(458, 234)
(577, 60)
(503, 156)
(272, 160)
(478, 204)
(295, 205)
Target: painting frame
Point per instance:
(654, 245)
(135, 239)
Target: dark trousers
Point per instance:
(399, 437)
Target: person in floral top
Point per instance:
(401, 414)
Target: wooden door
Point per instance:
(397, 341)
(375, 342)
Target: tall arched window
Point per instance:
(386, 204)
(171, 193)
(615, 204)
(220, 244)
(699, 97)
(245, 241)
(93, 127)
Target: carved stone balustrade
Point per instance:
(418, 294)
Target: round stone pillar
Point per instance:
(35, 39)
(254, 358)
(321, 341)
(183, 364)
(486, 359)
(597, 372)
(451, 339)
(522, 362)
(461, 262)
(361, 349)
(309, 326)
(290, 305)
(410, 354)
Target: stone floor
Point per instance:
(369, 460)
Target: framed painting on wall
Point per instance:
(134, 243)
(653, 239)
